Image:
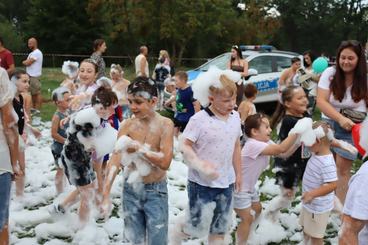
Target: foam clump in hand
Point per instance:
(305, 131)
(125, 145)
(192, 160)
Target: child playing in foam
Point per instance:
(255, 158)
(319, 183)
(88, 137)
(20, 82)
(145, 203)
(211, 148)
(61, 97)
(70, 69)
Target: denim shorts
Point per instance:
(205, 202)
(5, 184)
(341, 134)
(146, 213)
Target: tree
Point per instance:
(63, 27)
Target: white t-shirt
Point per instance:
(137, 62)
(253, 163)
(214, 140)
(356, 201)
(347, 102)
(35, 69)
(5, 97)
(319, 170)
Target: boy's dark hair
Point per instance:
(142, 84)
(182, 75)
(294, 60)
(97, 43)
(253, 122)
(17, 74)
(104, 96)
(250, 90)
(1, 41)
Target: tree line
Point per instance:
(186, 28)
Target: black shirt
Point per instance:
(18, 107)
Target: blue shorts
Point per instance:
(341, 134)
(5, 184)
(146, 213)
(205, 202)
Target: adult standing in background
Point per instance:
(99, 47)
(6, 58)
(8, 152)
(141, 63)
(33, 65)
(342, 92)
(237, 63)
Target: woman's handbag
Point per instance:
(355, 116)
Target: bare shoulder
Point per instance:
(165, 122)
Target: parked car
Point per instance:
(265, 67)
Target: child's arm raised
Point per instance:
(163, 158)
(54, 129)
(284, 146)
(323, 190)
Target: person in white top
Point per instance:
(255, 157)
(344, 87)
(318, 185)
(33, 65)
(8, 152)
(354, 227)
(141, 63)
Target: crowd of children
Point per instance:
(222, 174)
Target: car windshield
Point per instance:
(220, 61)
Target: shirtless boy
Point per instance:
(145, 204)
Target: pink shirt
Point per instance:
(253, 163)
(214, 140)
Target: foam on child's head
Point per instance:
(321, 129)
(58, 93)
(116, 68)
(143, 87)
(70, 68)
(104, 82)
(214, 81)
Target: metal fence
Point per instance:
(56, 60)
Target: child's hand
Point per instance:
(133, 147)
(64, 121)
(208, 170)
(307, 197)
(36, 132)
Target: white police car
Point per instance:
(265, 67)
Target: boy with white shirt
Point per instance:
(211, 146)
(319, 183)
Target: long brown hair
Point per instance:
(359, 88)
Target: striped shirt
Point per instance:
(319, 170)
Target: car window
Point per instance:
(282, 63)
(263, 64)
(220, 62)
